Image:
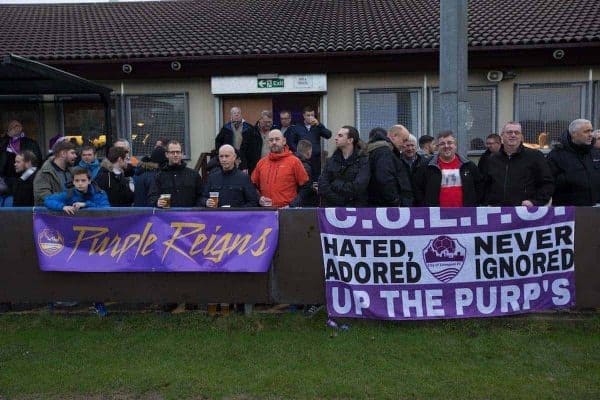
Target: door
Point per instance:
(251, 107)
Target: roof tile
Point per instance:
(188, 28)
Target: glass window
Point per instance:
(481, 117)
(83, 121)
(156, 116)
(387, 107)
(548, 108)
(27, 110)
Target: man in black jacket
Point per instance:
(575, 165)
(389, 185)
(15, 142)
(26, 166)
(112, 178)
(492, 143)
(182, 183)
(307, 193)
(448, 180)
(409, 155)
(517, 175)
(232, 185)
(243, 137)
(345, 179)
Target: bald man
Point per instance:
(279, 174)
(398, 134)
(232, 185)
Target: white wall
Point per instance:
(340, 95)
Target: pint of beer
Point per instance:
(214, 196)
(167, 198)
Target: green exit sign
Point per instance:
(270, 83)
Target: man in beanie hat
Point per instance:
(146, 174)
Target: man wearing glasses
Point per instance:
(448, 179)
(517, 175)
(176, 185)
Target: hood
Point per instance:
(145, 166)
(565, 142)
(106, 164)
(278, 156)
(374, 145)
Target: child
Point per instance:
(84, 195)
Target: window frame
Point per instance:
(377, 90)
(85, 98)
(479, 88)
(186, 109)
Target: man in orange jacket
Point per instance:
(279, 174)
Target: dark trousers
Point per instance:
(315, 165)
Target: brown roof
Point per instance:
(212, 28)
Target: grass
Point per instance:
(156, 356)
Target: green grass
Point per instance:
(153, 356)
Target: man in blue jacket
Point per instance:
(89, 161)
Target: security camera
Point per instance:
(495, 76)
(127, 68)
(558, 54)
(175, 65)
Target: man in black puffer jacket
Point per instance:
(575, 165)
(182, 183)
(517, 175)
(234, 186)
(390, 184)
(345, 179)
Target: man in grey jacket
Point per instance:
(55, 175)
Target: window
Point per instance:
(28, 111)
(150, 117)
(82, 120)
(387, 107)
(548, 108)
(481, 116)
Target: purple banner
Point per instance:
(427, 263)
(233, 241)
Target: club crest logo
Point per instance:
(50, 242)
(444, 257)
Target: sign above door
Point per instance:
(268, 83)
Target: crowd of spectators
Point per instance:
(260, 165)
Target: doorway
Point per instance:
(253, 105)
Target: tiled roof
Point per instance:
(212, 28)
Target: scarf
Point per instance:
(14, 145)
